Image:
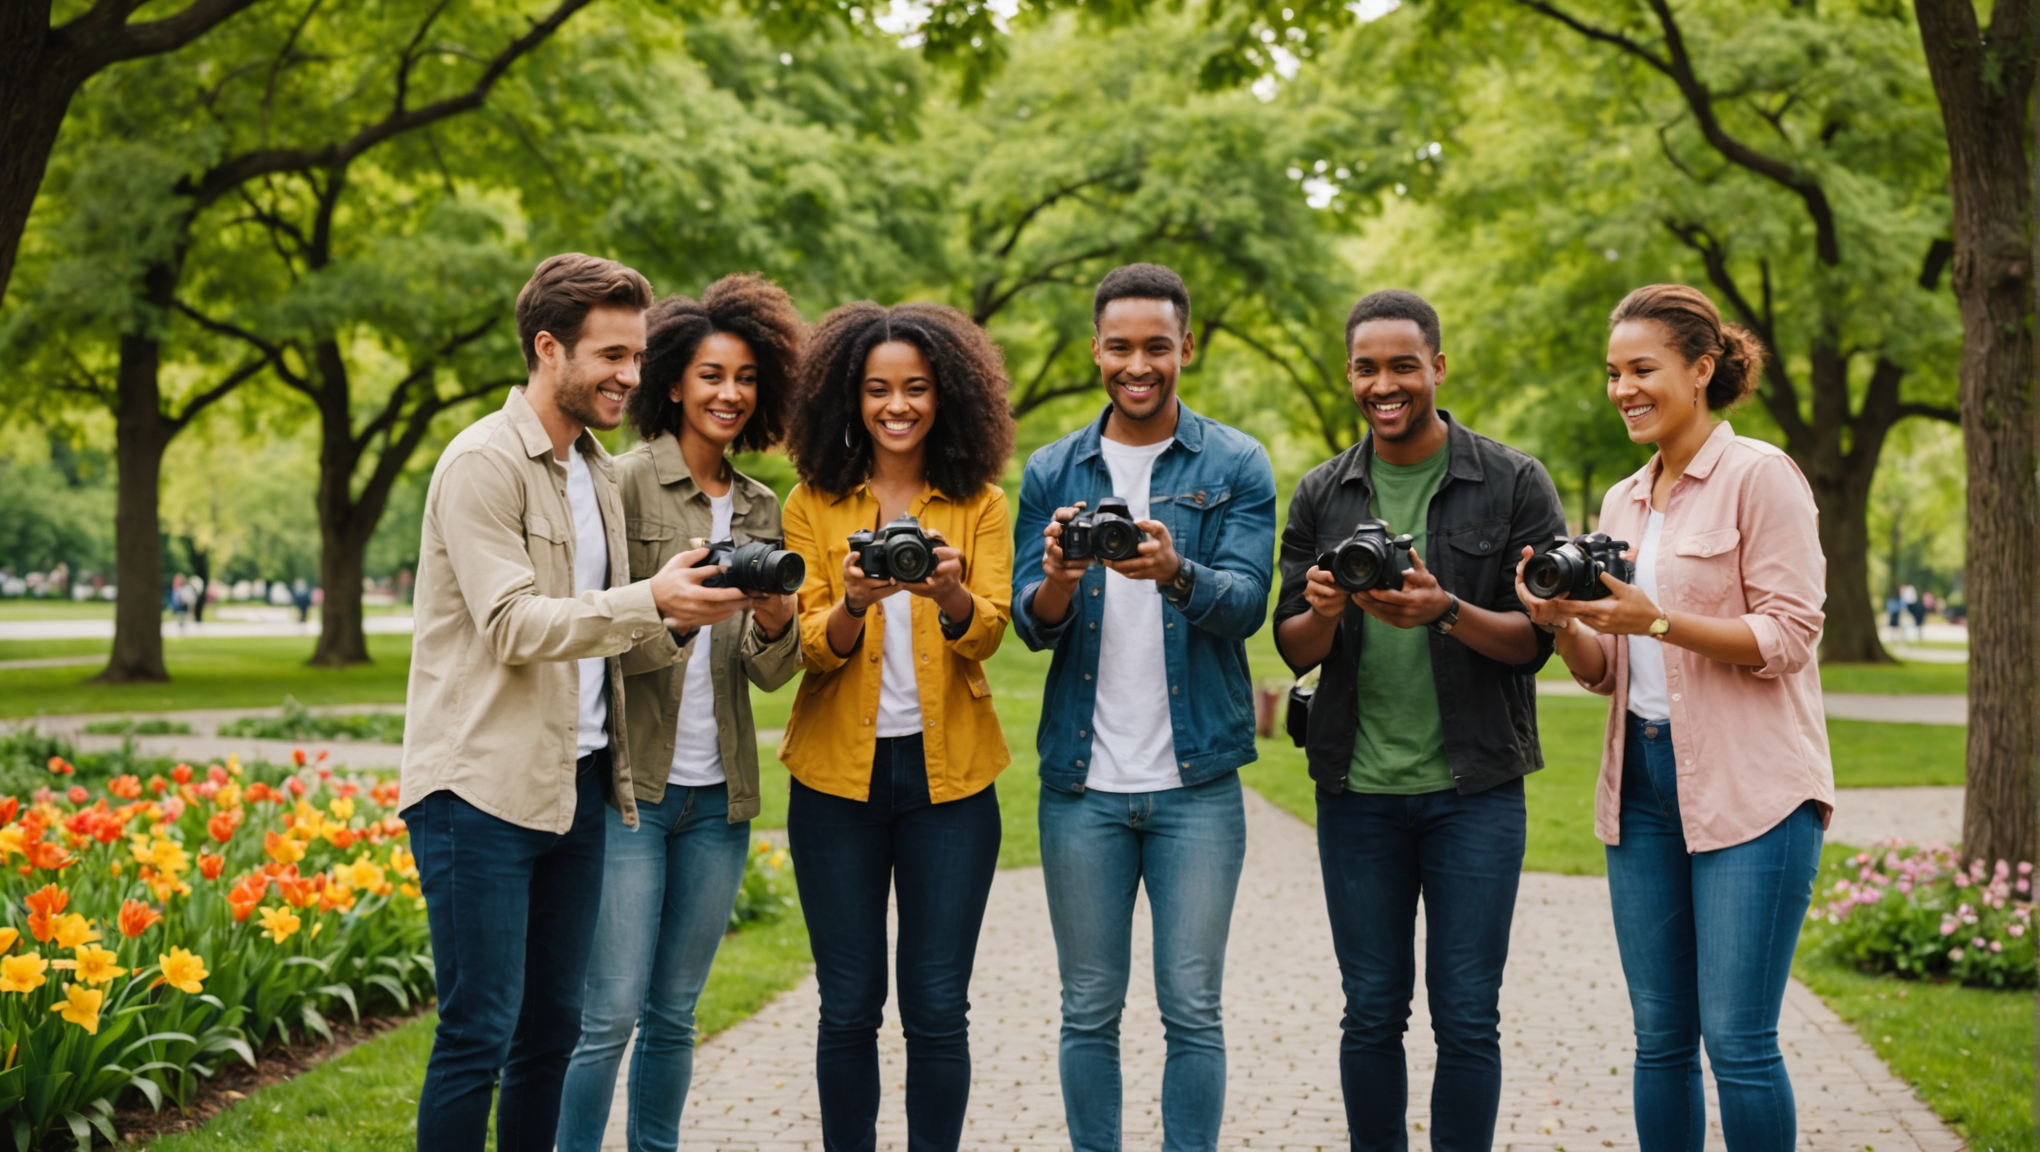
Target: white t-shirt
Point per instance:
(697, 753)
(899, 692)
(591, 573)
(1648, 697)
(1133, 744)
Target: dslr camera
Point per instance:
(1369, 559)
(1572, 568)
(1106, 533)
(899, 551)
(759, 566)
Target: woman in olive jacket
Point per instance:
(714, 379)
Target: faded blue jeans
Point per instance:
(1707, 941)
(667, 890)
(1097, 849)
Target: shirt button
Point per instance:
(1675, 695)
(931, 723)
(924, 657)
(1094, 591)
(1184, 764)
(1175, 689)
(1087, 675)
(1083, 732)
(1093, 625)
(866, 720)
(1080, 764)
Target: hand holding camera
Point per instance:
(687, 599)
(1586, 578)
(1057, 564)
(766, 573)
(1380, 573)
(903, 555)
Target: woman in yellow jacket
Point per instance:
(893, 744)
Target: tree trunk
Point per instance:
(35, 91)
(141, 438)
(1984, 81)
(1850, 636)
(341, 639)
(345, 523)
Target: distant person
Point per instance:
(1894, 612)
(1916, 609)
(1410, 807)
(715, 381)
(1716, 783)
(301, 599)
(178, 600)
(1148, 710)
(893, 744)
(515, 732)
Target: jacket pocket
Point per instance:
(974, 676)
(648, 543)
(547, 542)
(1709, 568)
(1193, 511)
(1477, 558)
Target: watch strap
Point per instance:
(1445, 623)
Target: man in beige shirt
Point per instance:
(525, 624)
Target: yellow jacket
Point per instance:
(832, 734)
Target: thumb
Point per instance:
(687, 559)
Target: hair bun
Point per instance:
(1695, 327)
(1737, 369)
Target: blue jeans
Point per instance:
(666, 898)
(1464, 856)
(1707, 941)
(1097, 849)
(503, 901)
(938, 859)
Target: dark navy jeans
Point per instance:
(512, 913)
(1707, 941)
(938, 859)
(1464, 856)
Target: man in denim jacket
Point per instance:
(1149, 709)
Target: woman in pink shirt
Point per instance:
(1715, 781)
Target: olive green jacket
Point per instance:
(664, 513)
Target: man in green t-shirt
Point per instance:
(1423, 725)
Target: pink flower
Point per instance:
(1977, 943)
(1955, 954)
(2025, 867)
(1962, 879)
(1996, 947)
(1948, 926)
(2015, 929)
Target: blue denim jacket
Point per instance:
(1215, 492)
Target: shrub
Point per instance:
(1919, 912)
(129, 726)
(299, 723)
(764, 893)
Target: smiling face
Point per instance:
(1659, 395)
(1395, 376)
(899, 402)
(719, 390)
(594, 377)
(1140, 349)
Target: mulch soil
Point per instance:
(236, 1081)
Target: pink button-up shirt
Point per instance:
(1741, 538)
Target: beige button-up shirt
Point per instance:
(1741, 540)
(494, 694)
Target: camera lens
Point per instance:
(1358, 565)
(759, 567)
(1116, 539)
(909, 559)
(1548, 575)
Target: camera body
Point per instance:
(758, 566)
(899, 551)
(1572, 568)
(1108, 532)
(1370, 558)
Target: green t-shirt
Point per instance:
(1400, 747)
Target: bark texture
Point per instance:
(1984, 78)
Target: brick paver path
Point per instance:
(1565, 1021)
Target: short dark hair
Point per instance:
(562, 290)
(1395, 304)
(751, 308)
(1142, 282)
(973, 433)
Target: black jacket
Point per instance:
(1492, 502)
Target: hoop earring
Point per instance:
(846, 437)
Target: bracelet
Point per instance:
(855, 613)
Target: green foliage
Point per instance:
(767, 890)
(1923, 912)
(297, 723)
(129, 726)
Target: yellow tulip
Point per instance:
(342, 808)
(81, 1007)
(73, 929)
(96, 965)
(7, 938)
(279, 924)
(22, 973)
(182, 970)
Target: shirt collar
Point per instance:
(538, 442)
(1699, 468)
(1462, 454)
(670, 466)
(1189, 431)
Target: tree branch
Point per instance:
(102, 35)
(217, 392)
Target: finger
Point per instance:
(1614, 585)
(1417, 562)
(687, 559)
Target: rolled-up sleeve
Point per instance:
(989, 582)
(1784, 572)
(482, 520)
(769, 663)
(818, 591)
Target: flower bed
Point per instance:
(154, 925)
(1919, 911)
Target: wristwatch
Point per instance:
(1178, 589)
(1444, 625)
(1661, 625)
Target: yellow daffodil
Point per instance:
(282, 849)
(366, 875)
(279, 924)
(96, 965)
(182, 970)
(73, 929)
(22, 973)
(406, 865)
(229, 795)
(13, 841)
(81, 1007)
(169, 856)
(164, 886)
(7, 938)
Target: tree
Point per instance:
(1984, 77)
(42, 66)
(304, 90)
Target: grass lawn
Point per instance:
(367, 1099)
(204, 673)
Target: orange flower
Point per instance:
(125, 787)
(181, 773)
(136, 917)
(282, 849)
(77, 794)
(297, 891)
(244, 896)
(8, 807)
(256, 791)
(335, 897)
(221, 826)
(61, 766)
(48, 856)
(298, 754)
(210, 866)
(297, 786)
(44, 906)
(340, 836)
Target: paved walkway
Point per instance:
(278, 623)
(1945, 709)
(202, 744)
(1566, 1036)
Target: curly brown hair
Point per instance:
(973, 432)
(751, 308)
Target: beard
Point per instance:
(576, 396)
